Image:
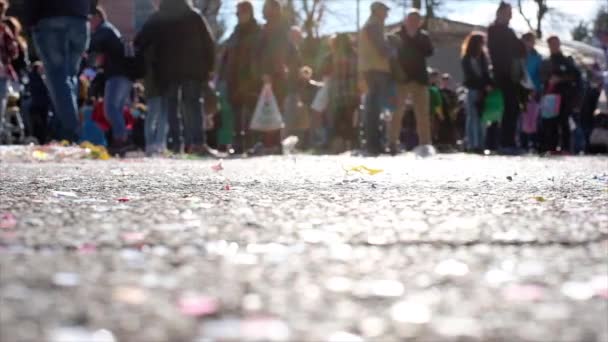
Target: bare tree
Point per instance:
(210, 9)
(542, 11)
(313, 12)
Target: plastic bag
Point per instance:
(530, 118)
(493, 107)
(267, 116)
(321, 100)
(550, 105)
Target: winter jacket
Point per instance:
(240, 71)
(374, 48)
(533, 64)
(279, 58)
(412, 55)
(505, 51)
(107, 41)
(184, 44)
(37, 10)
(476, 79)
(566, 69)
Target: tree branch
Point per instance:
(521, 12)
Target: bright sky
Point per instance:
(342, 15)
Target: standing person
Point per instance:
(107, 43)
(279, 63)
(415, 47)
(8, 53)
(374, 67)
(449, 100)
(344, 95)
(476, 70)
(184, 53)
(243, 81)
(533, 66)
(561, 77)
(60, 33)
(506, 50)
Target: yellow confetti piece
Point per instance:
(95, 151)
(39, 155)
(364, 169)
(540, 199)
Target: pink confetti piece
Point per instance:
(133, 237)
(87, 248)
(524, 293)
(8, 221)
(226, 187)
(198, 305)
(217, 167)
(603, 293)
(123, 200)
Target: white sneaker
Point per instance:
(424, 151)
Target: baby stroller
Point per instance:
(12, 128)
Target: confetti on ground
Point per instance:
(365, 170)
(7, 221)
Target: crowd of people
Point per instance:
(174, 89)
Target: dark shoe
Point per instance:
(121, 147)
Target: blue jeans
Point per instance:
(117, 91)
(473, 129)
(378, 83)
(156, 124)
(185, 97)
(60, 42)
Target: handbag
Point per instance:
(550, 106)
(530, 117)
(321, 100)
(267, 116)
(493, 107)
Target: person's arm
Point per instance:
(377, 39)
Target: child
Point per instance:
(91, 132)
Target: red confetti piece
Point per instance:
(123, 200)
(7, 221)
(227, 187)
(198, 305)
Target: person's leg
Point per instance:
(420, 96)
(116, 93)
(508, 127)
(171, 97)
(373, 108)
(152, 123)
(473, 124)
(60, 43)
(3, 117)
(397, 119)
(193, 113)
(564, 125)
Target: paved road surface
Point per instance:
(452, 248)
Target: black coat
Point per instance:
(412, 55)
(36, 10)
(107, 40)
(183, 43)
(473, 80)
(505, 48)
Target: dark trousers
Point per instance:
(508, 128)
(557, 129)
(185, 113)
(244, 139)
(39, 117)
